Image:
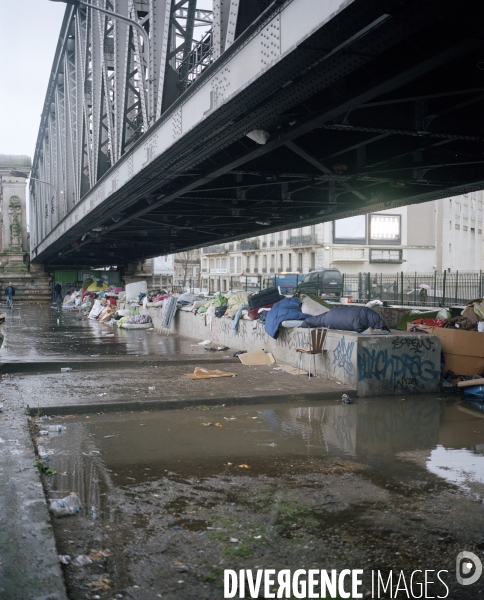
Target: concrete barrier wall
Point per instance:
(400, 363)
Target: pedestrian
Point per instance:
(57, 292)
(423, 296)
(9, 293)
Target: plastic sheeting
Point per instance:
(133, 290)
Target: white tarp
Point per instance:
(133, 290)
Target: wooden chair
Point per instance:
(316, 343)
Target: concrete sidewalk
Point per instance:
(29, 567)
(162, 385)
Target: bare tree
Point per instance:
(187, 261)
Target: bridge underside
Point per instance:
(381, 107)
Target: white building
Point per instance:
(433, 236)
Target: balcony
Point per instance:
(204, 270)
(264, 270)
(219, 249)
(272, 270)
(249, 245)
(272, 243)
(280, 242)
(280, 270)
(264, 244)
(302, 240)
(256, 270)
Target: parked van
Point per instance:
(286, 282)
(322, 283)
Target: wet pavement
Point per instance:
(236, 479)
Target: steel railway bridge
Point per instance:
(173, 124)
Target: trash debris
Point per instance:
(239, 352)
(201, 373)
(292, 370)
(101, 585)
(204, 343)
(230, 418)
(56, 428)
(66, 369)
(217, 349)
(42, 452)
(81, 561)
(99, 554)
(244, 466)
(151, 388)
(234, 540)
(43, 432)
(1, 407)
(70, 505)
(103, 394)
(256, 358)
(64, 559)
(346, 399)
(45, 469)
(218, 425)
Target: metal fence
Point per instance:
(441, 289)
(405, 288)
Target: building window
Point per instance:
(385, 228)
(457, 226)
(473, 230)
(350, 231)
(465, 210)
(217, 263)
(239, 264)
(465, 228)
(457, 207)
(224, 263)
(273, 261)
(289, 262)
(231, 264)
(385, 256)
(299, 262)
(256, 261)
(264, 261)
(450, 247)
(450, 224)
(312, 261)
(281, 262)
(479, 232)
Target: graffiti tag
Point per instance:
(342, 356)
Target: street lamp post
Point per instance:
(27, 176)
(131, 22)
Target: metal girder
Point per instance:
(314, 78)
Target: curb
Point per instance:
(160, 404)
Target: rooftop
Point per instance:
(11, 160)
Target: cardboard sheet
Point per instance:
(256, 358)
(201, 373)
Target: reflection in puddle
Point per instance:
(462, 467)
(129, 449)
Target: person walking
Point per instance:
(57, 292)
(9, 293)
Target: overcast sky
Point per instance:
(29, 30)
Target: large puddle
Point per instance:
(164, 494)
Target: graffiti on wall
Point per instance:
(408, 371)
(342, 355)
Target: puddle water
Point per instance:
(39, 332)
(140, 447)
(165, 494)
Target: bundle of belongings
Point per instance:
(468, 320)
(135, 322)
(354, 318)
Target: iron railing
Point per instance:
(249, 245)
(302, 240)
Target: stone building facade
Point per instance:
(30, 283)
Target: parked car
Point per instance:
(286, 282)
(326, 281)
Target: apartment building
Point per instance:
(438, 235)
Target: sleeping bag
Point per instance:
(348, 318)
(284, 310)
